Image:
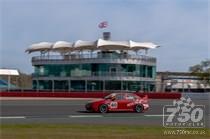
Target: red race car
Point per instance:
(119, 102)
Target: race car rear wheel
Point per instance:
(139, 108)
(103, 108)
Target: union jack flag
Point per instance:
(103, 24)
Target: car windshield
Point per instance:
(109, 96)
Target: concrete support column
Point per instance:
(69, 86)
(53, 86)
(37, 85)
(8, 84)
(121, 86)
(182, 85)
(146, 73)
(85, 85)
(104, 85)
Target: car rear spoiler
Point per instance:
(144, 97)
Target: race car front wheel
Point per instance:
(138, 108)
(103, 108)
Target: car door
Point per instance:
(117, 104)
(122, 102)
(130, 101)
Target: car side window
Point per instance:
(130, 97)
(119, 97)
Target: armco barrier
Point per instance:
(154, 95)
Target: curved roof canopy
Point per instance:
(100, 44)
(42, 46)
(113, 45)
(142, 45)
(62, 46)
(85, 45)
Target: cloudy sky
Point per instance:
(180, 27)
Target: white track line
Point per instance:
(12, 117)
(157, 115)
(85, 116)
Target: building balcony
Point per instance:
(88, 73)
(94, 58)
(96, 76)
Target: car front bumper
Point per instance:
(88, 107)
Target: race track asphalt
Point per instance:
(73, 112)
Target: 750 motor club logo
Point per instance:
(183, 113)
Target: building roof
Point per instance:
(9, 72)
(99, 44)
(84, 45)
(41, 46)
(62, 46)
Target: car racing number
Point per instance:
(113, 105)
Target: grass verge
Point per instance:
(69, 131)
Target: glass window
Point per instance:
(113, 85)
(130, 97)
(44, 85)
(61, 85)
(149, 71)
(75, 70)
(94, 85)
(86, 70)
(78, 85)
(34, 84)
(104, 67)
(119, 96)
(154, 72)
(131, 67)
(36, 70)
(123, 68)
(143, 71)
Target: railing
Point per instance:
(91, 56)
(95, 74)
(119, 74)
